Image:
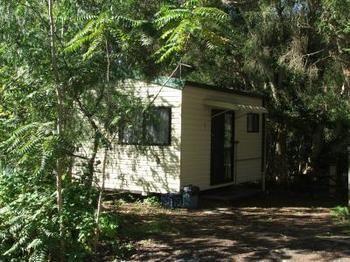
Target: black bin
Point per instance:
(171, 200)
(190, 196)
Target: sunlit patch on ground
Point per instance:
(258, 229)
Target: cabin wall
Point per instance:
(248, 150)
(146, 169)
(196, 138)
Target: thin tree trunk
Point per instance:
(70, 164)
(274, 93)
(281, 155)
(91, 163)
(108, 63)
(100, 196)
(317, 145)
(99, 203)
(60, 126)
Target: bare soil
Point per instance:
(264, 228)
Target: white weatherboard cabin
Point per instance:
(205, 136)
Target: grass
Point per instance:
(342, 215)
(140, 218)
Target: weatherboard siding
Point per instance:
(249, 150)
(196, 138)
(162, 169)
(148, 168)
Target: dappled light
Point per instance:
(272, 228)
(233, 113)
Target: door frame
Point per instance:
(233, 147)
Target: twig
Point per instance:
(163, 85)
(315, 53)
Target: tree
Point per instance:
(193, 22)
(63, 66)
(285, 50)
(47, 114)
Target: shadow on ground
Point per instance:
(271, 228)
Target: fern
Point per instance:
(216, 16)
(192, 21)
(93, 36)
(40, 255)
(35, 244)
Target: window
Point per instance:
(131, 134)
(151, 128)
(252, 123)
(157, 126)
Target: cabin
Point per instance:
(204, 136)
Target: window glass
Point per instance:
(157, 126)
(228, 130)
(132, 133)
(152, 128)
(252, 123)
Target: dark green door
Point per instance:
(222, 142)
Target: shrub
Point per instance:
(341, 213)
(29, 221)
(28, 218)
(152, 201)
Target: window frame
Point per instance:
(143, 141)
(255, 128)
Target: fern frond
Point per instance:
(93, 47)
(30, 145)
(127, 22)
(193, 3)
(213, 14)
(34, 244)
(40, 255)
(46, 155)
(80, 38)
(194, 20)
(96, 30)
(14, 247)
(169, 16)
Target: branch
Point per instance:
(163, 85)
(314, 53)
(77, 156)
(89, 116)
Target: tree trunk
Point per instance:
(102, 188)
(91, 163)
(281, 167)
(317, 145)
(59, 125)
(100, 196)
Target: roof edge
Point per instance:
(171, 82)
(224, 89)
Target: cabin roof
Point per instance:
(177, 83)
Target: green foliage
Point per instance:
(193, 21)
(31, 143)
(152, 201)
(98, 30)
(294, 52)
(109, 223)
(341, 213)
(29, 219)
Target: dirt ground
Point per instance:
(263, 228)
